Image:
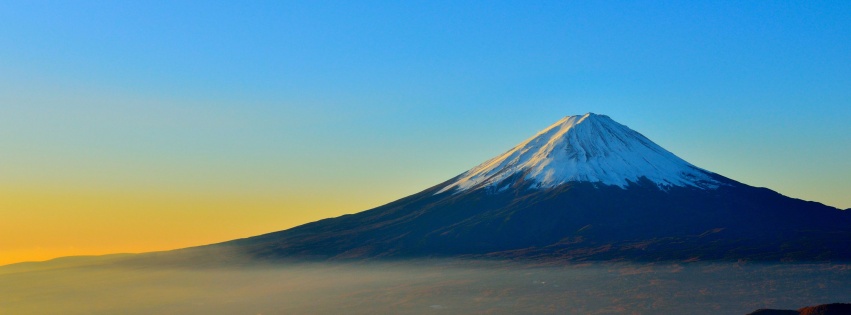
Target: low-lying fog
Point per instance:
(424, 287)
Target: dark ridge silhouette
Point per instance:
(827, 309)
(774, 312)
(824, 309)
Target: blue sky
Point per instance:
(364, 102)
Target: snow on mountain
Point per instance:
(587, 148)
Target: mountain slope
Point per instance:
(585, 188)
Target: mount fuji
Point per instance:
(585, 188)
(588, 148)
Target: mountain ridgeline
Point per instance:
(584, 189)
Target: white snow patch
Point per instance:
(587, 148)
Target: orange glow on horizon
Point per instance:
(41, 224)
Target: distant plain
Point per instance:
(104, 285)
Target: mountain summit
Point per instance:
(589, 148)
(584, 188)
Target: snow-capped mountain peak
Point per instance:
(585, 148)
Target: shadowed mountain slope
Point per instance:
(585, 188)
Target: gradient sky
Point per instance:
(129, 126)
